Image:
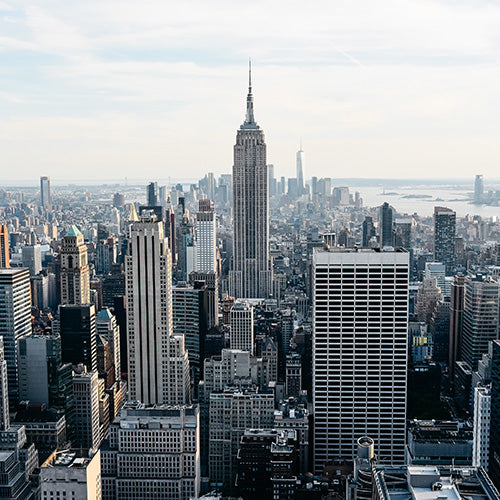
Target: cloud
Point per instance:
(367, 84)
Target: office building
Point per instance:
(15, 323)
(419, 482)
(480, 317)
(152, 452)
(482, 421)
(206, 257)
(438, 271)
(32, 258)
(71, 475)
(4, 246)
(368, 231)
(232, 412)
(158, 367)
(386, 233)
(45, 196)
(444, 237)
(152, 195)
(428, 295)
(4, 391)
(77, 327)
(190, 319)
(292, 414)
(494, 454)
(360, 345)
(251, 274)
(75, 281)
(242, 326)
(107, 327)
(478, 189)
(402, 233)
(267, 464)
(293, 375)
(86, 418)
(456, 322)
(300, 172)
(211, 285)
(43, 378)
(436, 442)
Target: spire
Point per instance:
(249, 120)
(133, 215)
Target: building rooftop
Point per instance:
(68, 458)
(73, 231)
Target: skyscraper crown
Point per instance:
(249, 119)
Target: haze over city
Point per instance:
(373, 89)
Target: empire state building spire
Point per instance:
(249, 120)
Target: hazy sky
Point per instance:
(156, 89)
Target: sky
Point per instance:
(155, 89)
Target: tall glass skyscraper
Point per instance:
(444, 237)
(45, 199)
(251, 275)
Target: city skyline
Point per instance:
(386, 87)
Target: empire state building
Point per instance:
(251, 275)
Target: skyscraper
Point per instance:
(206, 257)
(444, 237)
(368, 231)
(300, 172)
(478, 189)
(251, 275)
(78, 335)
(456, 322)
(4, 246)
(45, 199)
(4, 391)
(75, 282)
(360, 347)
(158, 366)
(15, 319)
(386, 239)
(480, 319)
(242, 327)
(152, 194)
